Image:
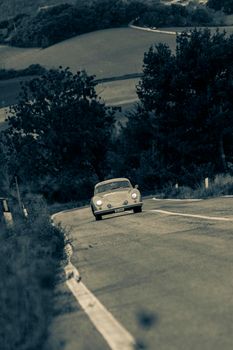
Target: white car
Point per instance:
(115, 196)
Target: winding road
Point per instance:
(164, 275)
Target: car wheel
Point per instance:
(98, 217)
(137, 210)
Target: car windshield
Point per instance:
(112, 186)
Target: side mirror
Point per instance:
(136, 186)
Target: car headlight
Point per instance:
(99, 202)
(134, 195)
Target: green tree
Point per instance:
(59, 130)
(186, 105)
(225, 5)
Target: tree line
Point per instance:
(61, 138)
(224, 5)
(57, 23)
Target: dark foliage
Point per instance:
(64, 21)
(59, 134)
(225, 5)
(160, 15)
(182, 129)
(33, 69)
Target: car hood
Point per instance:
(117, 196)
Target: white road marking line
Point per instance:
(153, 30)
(117, 337)
(192, 215)
(123, 102)
(178, 199)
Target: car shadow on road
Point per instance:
(114, 216)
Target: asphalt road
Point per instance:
(175, 271)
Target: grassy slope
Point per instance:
(94, 52)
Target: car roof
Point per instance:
(112, 180)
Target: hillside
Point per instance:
(51, 24)
(93, 52)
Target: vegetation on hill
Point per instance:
(225, 5)
(159, 15)
(12, 8)
(64, 21)
(33, 69)
(57, 23)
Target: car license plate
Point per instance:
(119, 210)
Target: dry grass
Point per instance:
(221, 185)
(229, 20)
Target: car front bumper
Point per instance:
(117, 209)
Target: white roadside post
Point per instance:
(25, 212)
(19, 198)
(206, 183)
(8, 219)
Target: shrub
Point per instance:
(176, 15)
(33, 69)
(31, 253)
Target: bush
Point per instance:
(67, 187)
(170, 191)
(64, 21)
(160, 15)
(217, 5)
(33, 69)
(31, 253)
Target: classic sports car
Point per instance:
(115, 196)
